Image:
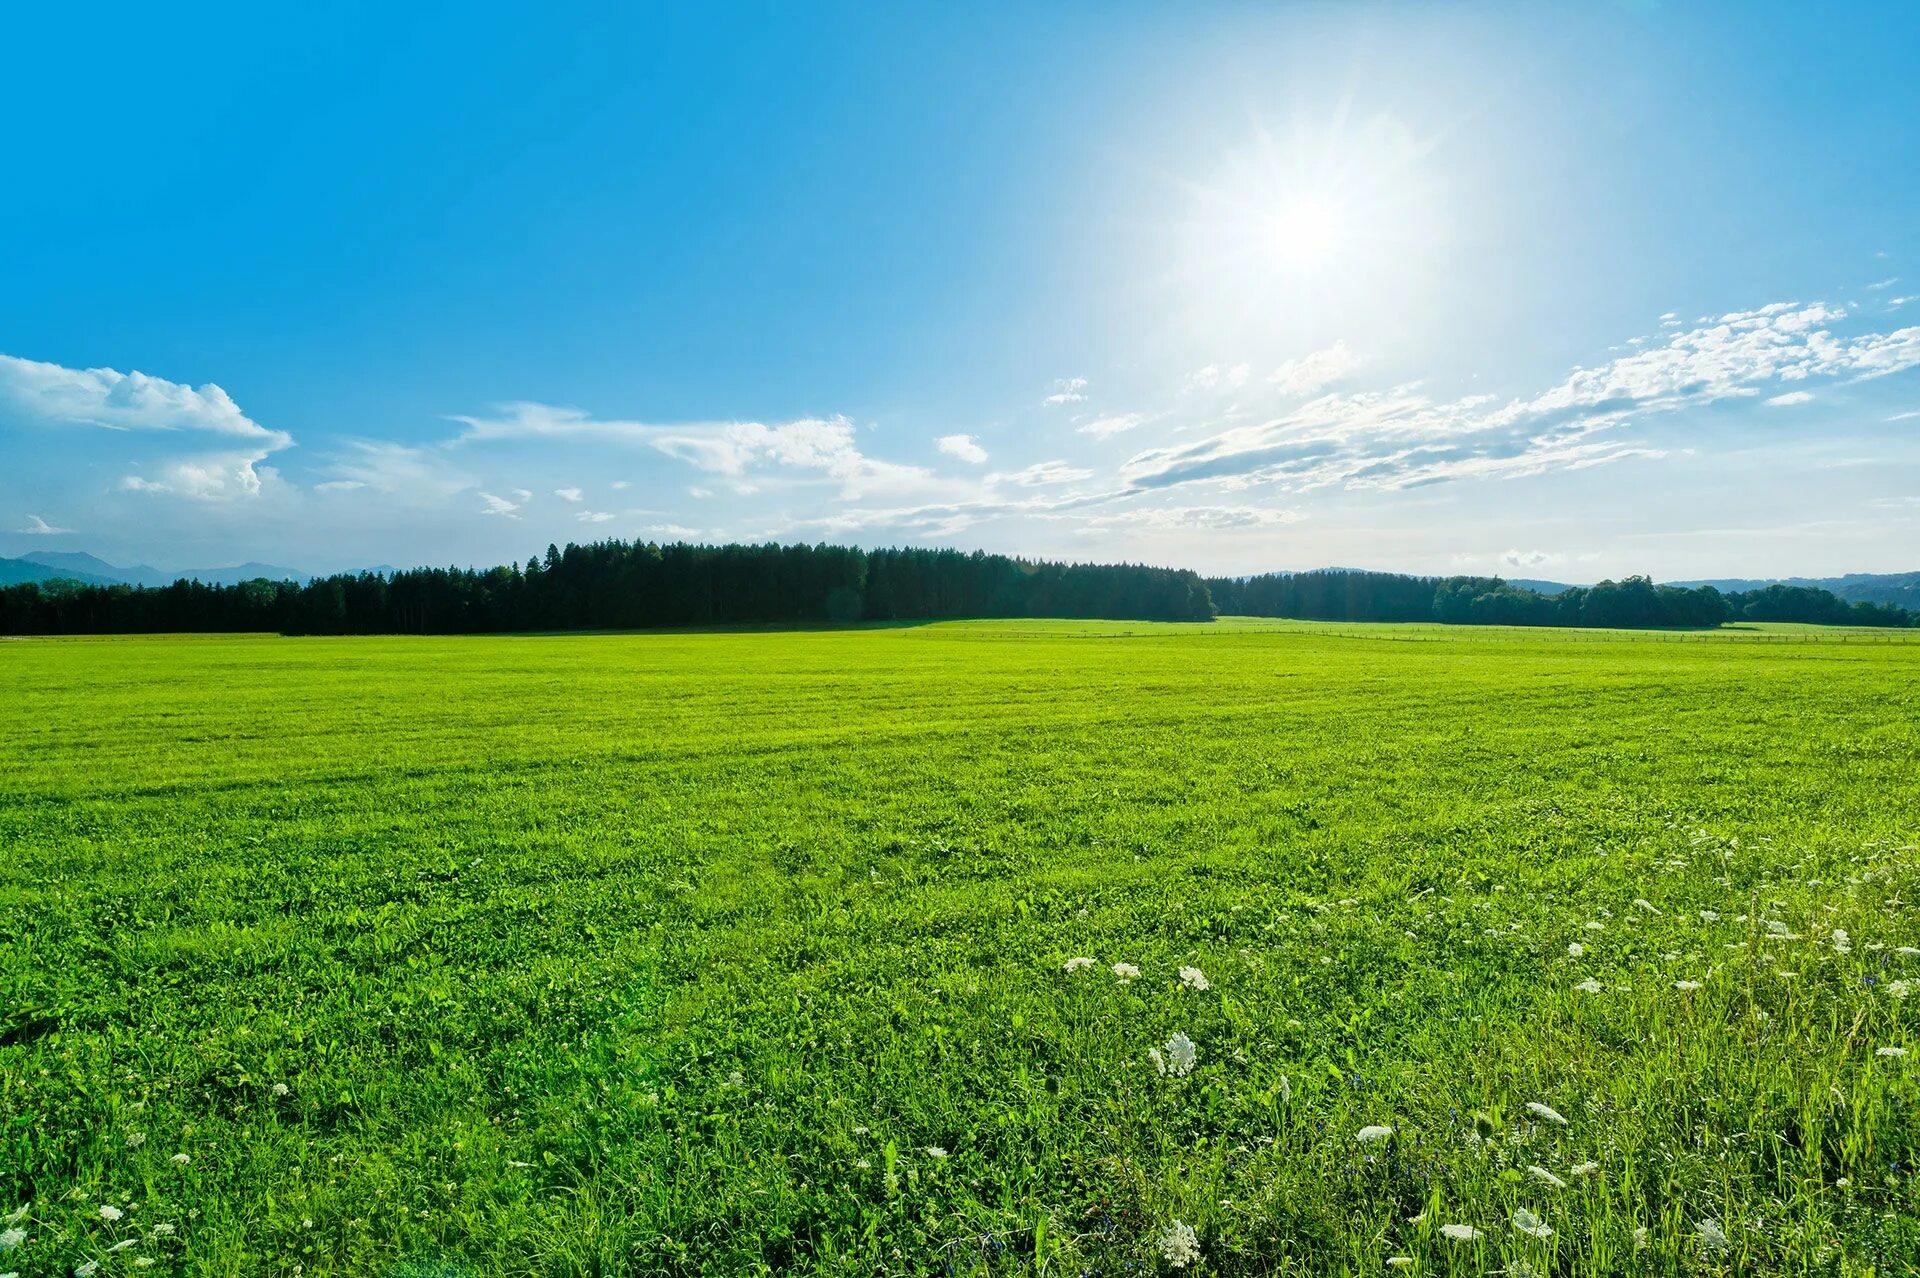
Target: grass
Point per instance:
(737, 953)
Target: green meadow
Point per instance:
(998, 948)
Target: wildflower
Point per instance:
(1194, 979)
(1460, 1233)
(1709, 916)
(1399, 1262)
(11, 1238)
(1545, 1177)
(1585, 1169)
(1686, 987)
(1576, 950)
(1899, 989)
(180, 1160)
(280, 1089)
(1285, 1090)
(1842, 943)
(1079, 964)
(1530, 1225)
(1891, 1051)
(1777, 928)
(162, 1230)
(861, 1130)
(136, 1139)
(1589, 986)
(122, 1245)
(1125, 971)
(15, 1216)
(86, 1269)
(1712, 1237)
(1646, 905)
(1181, 1055)
(1593, 926)
(1159, 1061)
(1368, 1135)
(736, 1079)
(143, 1262)
(110, 1214)
(935, 1151)
(1179, 1245)
(1547, 1112)
(1641, 1239)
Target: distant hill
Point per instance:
(1902, 589)
(77, 565)
(14, 572)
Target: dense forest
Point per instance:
(627, 585)
(644, 585)
(1635, 603)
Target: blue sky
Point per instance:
(1564, 291)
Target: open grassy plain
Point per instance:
(1544, 952)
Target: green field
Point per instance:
(731, 953)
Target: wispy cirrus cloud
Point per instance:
(38, 527)
(1067, 390)
(1402, 437)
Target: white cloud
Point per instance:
(1905, 417)
(1067, 390)
(1791, 398)
(965, 447)
(1531, 559)
(108, 399)
(500, 506)
(38, 527)
(1107, 427)
(594, 516)
(1401, 437)
(1315, 371)
(570, 494)
(419, 475)
(1193, 518)
(1889, 282)
(1040, 473)
(1216, 377)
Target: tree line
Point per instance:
(620, 585)
(1635, 603)
(627, 585)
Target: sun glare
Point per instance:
(1305, 232)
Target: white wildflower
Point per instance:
(1125, 971)
(1179, 1245)
(122, 1245)
(1194, 979)
(1593, 926)
(1547, 1112)
(180, 1159)
(1181, 1055)
(1646, 905)
(736, 1079)
(1460, 1233)
(1545, 1177)
(1776, 927)
(1899, 989)
(1709, 916)
(1399, 1262)
(1585, 1169)
(86, 1269)
(1891, 1051)
(110, 1214)
(1285, 1089)
(1842, 943)
(1159, 1061)
(162, 1230)
(1686, 986)
(1576, 950)
(935, 1151)
(15, 1216)
(280, 1089)
(1642, 1239)
(1910, 951)
(1079, 964)
(1368, 1135)
(1712, 1237)
(1530, 1225)
(1589, 986)
(11, 1238)
(136, 1139)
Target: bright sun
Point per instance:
(1305, 232)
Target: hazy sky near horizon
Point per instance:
(1561, 291)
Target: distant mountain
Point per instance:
(1538, 587)
(14, 572)
(1902, 589)
(80, 566)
